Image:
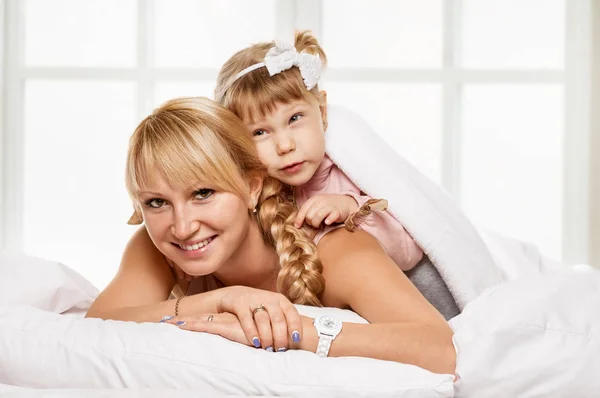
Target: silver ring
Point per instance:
(210, 318)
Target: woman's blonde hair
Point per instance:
(256, 93)
(195, 139)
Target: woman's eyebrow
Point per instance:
(149, 193)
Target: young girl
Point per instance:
(273, 88)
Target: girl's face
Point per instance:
(200, 229)
(290, 141)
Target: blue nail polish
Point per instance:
(256, 342)
(166, 318)
(295, 336)
(180, 323)
(269, 348)
(282, 349)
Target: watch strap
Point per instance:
(324, 345)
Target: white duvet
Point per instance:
(535, 336)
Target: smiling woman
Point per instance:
(195, 179)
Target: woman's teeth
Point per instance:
(197, 245)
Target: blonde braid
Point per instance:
(300, 279)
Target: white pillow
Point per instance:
(40, 349)
(537, 336)
(47, 285)
(19, 392)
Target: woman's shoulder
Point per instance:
(349, 259)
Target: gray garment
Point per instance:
(431, 285)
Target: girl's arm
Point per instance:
(404, 326)
(140, 290)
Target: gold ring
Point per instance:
(210, 318)
(259, 308)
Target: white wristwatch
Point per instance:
(328, 327)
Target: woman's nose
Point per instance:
(184, 224)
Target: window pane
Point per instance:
(383, 33)
(512, 161)
(168, 90)
(75, 202)
(204, 33)
(407, 116)
(80, 33)
(500, 34)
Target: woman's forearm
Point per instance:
(203, 303)
(429, 347)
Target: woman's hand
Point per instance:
(268, 319)
(226, 325)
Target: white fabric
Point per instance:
(19, 392)
(427, 212)
(91, 353)
(536, 336)
(43, 284)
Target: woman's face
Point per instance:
(200, 229)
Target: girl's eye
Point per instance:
(203, 193)
(155, 203)
(296, 117)
(259, 133)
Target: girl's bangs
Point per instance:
(257, 94)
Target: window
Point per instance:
(483, 96)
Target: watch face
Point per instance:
(329, 322)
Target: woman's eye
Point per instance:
(296, 117)
(155, 203)
(203, 193)
(259, 133)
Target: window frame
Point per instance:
(578, 189)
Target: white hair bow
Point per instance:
(282, 57)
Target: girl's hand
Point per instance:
(332, 208)
(268, 319)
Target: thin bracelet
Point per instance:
(177, 305)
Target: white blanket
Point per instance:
(535, 336)
(468, 261)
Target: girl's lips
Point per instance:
(293, 168)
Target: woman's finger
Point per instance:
(279, 327)
(244, 315)
(263, 324)
(224, 325)
(294, 322)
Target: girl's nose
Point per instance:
(285, 144)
